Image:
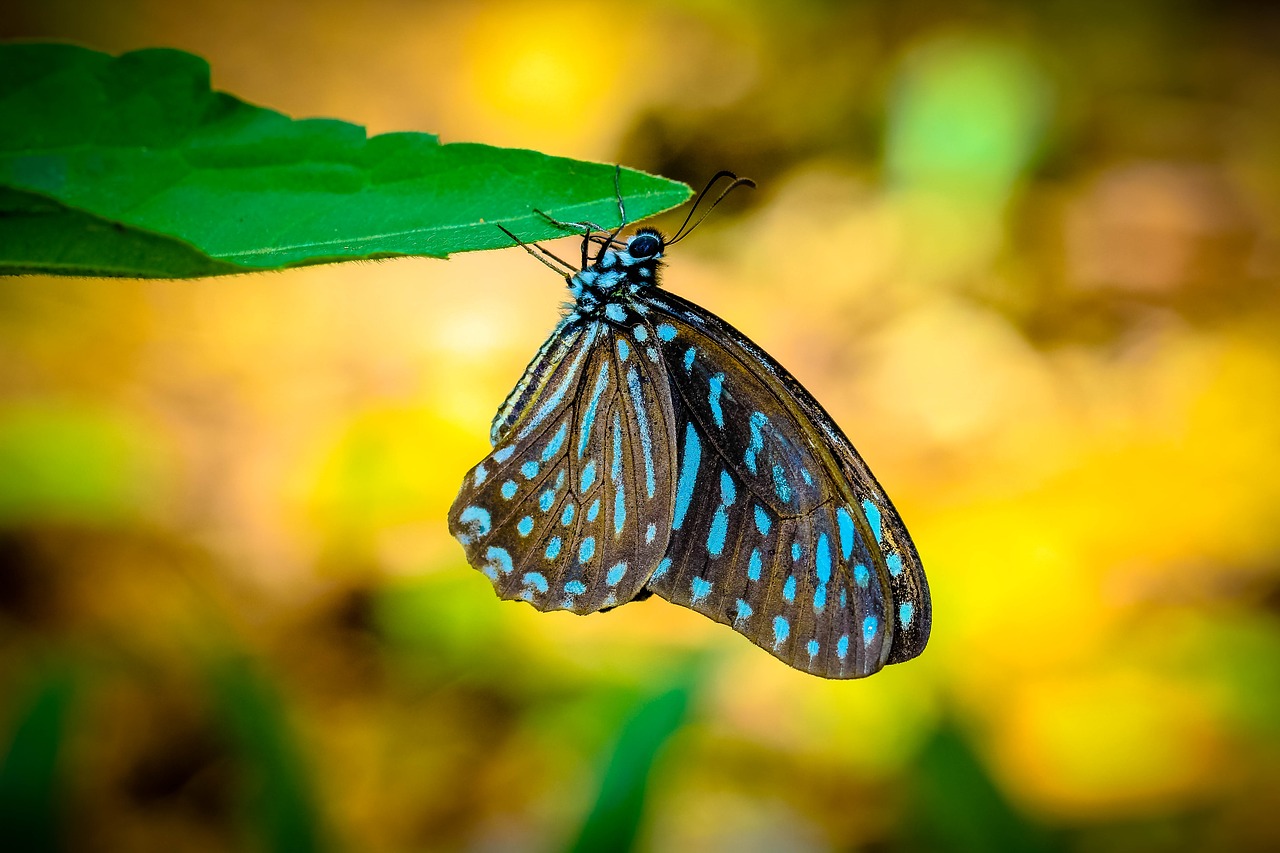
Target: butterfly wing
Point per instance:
(572, 508)
(779, 528)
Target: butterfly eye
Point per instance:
(644, 246)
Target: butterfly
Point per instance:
(650, 448)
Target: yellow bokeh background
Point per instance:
(1027, 257)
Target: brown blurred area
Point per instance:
(1026, 254)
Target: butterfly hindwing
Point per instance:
(775, 492)
(571, 510)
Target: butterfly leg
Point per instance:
(534, 250)
(622, 210)
(570, 226)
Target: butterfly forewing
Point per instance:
(780, 536)
(572, 508)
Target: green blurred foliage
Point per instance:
(30, 790)
(614, 821)
(1027, 255)
(279, 797)
(966, 116)
(71, 463)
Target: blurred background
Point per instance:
(1026, 255)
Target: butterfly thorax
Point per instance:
(616, 275)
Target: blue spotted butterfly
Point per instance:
(651, 448)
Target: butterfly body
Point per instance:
(651, 448)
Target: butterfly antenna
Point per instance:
(685, 228)
(538, 252)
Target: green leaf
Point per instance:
(132, 166)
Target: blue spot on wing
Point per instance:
(553, 548)
(728, 494)
(688, 475)
(615, 574)
(500, 559)
(700, 588)
(554, 445)
(509, 490)
(872, 513)
(781, 630)
(478, 517)
(666, 332)
(762, 521)
(587, 549)
(758, 420)
(780, 484)
(845, 522)
(593, 405)
(893, 563)
(642, 423)
(619, 510)
(536, 580)
(716, 536)
(822, 559)
(789, 589)
(716, 384)
(753, 568)
(615, 468)
(905, 611)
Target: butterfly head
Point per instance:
(635, 264)
(617, 273)
(644, 248)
